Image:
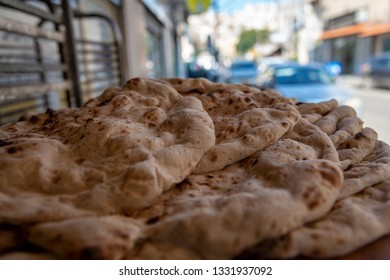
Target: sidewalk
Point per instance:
(352, 81)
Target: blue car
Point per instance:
(306, 83)
(243, 71)
(377, 71)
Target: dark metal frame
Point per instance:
(24, 96)
(111, 54)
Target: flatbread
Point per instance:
(246, 119)
(321, 108)
(328, 123)
(25, 255)
(190, 169)
(218, 214)
(353, 222)
(372, 170)
(116, 154)
(346, 128)
(107, 237)
(11, 237)
(357, 147)
(242, 135)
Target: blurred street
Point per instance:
(376, 109)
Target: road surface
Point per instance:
(375, 109)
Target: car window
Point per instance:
(243, 65)
(381, 63)
(294, 75)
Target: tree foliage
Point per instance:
(249, 38)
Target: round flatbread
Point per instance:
(115, 154)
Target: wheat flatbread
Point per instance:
(190, 169)
(216, 215)
(113, 155)
(353, 222)
(105, 237)
(246, 119)
(373, 169)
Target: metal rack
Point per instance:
(43, 64)
(99, 62)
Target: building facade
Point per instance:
(152, 31)
(353, 31)
(60, 53)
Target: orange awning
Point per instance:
(343, 31)
(376, 29)
(361, 29)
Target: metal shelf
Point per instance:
(45, 58)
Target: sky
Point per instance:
(229, 6)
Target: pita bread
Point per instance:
(357, 147)
(328, 123)
(240, 136)
(246, 119)
(189, 169)
(321, 108)
(346, 128)
(374, 169)
(113, 155)
(10, 237)
(312, 136)
(21, 255)
(353, 222)
(108, 237)
(213, 214)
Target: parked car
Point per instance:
(194, 70)
(270, 61)
(306, 83)
(242, 71)
(376, 72)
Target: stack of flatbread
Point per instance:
(189, 169)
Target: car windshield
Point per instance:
(300, 75)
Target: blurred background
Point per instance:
(59, 53)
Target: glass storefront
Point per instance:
(386, 43)
(155, 51)
(154, 55)
(343, 50)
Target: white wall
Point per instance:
(134, 26)
(135, 16)
(310, 34)
(377, 10)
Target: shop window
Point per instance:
(154, 59)
(386, 44)
(155, 63)
(343, 50)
